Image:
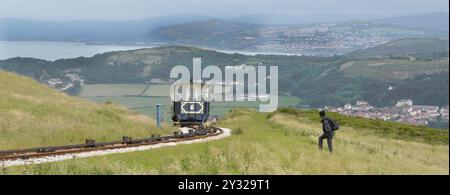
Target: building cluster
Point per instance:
(66, 83)
(317, 39)
(404, 111)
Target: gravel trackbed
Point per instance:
(226, 133)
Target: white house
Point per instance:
(404, 102)
(347, 107)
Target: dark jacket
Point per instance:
(326, 127)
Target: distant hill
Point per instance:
(304, 39)
(32, 115)
(319, 34)
(429, 21)
(87, 30)
(213, 33)
(318, 81)
(287, 19)
(404, 47)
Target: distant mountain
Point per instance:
(311, 39)
(214, 33)
(319, 34)
(404, 47)
(87, 30)
(429, 21)
(285, 19)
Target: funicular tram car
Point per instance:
(190, 104)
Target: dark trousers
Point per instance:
(329, 137)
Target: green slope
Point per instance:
(405, 46)
(31, 115)
(279, 143)
(214, 33)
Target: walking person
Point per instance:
(328, 128)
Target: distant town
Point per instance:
(321, 38)
(404, 111)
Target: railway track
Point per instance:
(126, 142)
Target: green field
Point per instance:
(158, 90)
(277, 143)
(394, 31)
(95, 90)
(102, 90)
(143, 98)
(393, 68)
(143, 105)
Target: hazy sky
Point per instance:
(139, 9)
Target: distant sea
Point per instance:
(254, 53)
(53, 50)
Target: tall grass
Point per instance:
(33, 115)
(279, 143)
(386, 129)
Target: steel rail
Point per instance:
(126, 142)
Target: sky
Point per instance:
(141, 9)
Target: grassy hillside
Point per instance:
(31, 115)
(405, 46)
(391, 69)
(385, 129)
(279, 143)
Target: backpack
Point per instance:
(333, 124)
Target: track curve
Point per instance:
(58, 153)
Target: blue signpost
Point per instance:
(158, 115)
